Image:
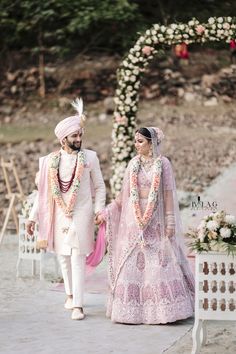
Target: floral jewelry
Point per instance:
(54, 161)
(143, 221)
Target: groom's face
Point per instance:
(74, 140)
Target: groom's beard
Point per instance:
(74, 146)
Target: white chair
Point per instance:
(215, 298)
(28, 251)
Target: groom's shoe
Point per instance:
(77, 314)
(69, 304)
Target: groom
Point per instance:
(68, 180)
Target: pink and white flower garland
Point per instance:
(54, 183)
(132, 68)
(143, 221)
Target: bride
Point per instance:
(150, 281)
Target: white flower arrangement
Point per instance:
(28, 204)
(216, 232)
(133, 67)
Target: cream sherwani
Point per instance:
(73, 239)
(78, 232)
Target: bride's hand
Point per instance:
(99, 219)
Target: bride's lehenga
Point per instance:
(151, 283)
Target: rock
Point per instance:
(13, 89)
(226, 71)
(207, 92)
(102, 117)
(163, 100)
(5, 109)
(195, 81)
(180, 92)
(11, 76)
(109, 104)
(149, 94)
(189, 96)
(7, 119)
(86, 74)
(212, 173)
(209, 80)
(226, 99)
(211, 102)
(50, 69)
(198, 189)
(168, 71)
(63, 102)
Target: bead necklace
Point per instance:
(54, 161)
(65, 185)
(146, 163)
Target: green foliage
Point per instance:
(58, 24)
(172, 11)
(61, 26)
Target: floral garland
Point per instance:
(143, 221)
(133, 67)
(55, 188)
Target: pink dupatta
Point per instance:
(46, 209)
(95, 258)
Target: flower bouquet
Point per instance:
(216, 232)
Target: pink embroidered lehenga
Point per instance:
(150, 283)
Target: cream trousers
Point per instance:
(73, 272)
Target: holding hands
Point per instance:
(99, 218)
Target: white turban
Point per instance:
(67, 126)
(71, 124)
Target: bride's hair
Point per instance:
(145, 132)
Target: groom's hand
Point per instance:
(99, 219)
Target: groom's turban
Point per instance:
(67, 126)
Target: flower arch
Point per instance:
(132, 68)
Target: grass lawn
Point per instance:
(16, 133)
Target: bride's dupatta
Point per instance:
(121, 231)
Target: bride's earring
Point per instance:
(150, 153)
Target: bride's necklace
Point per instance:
(147, 163)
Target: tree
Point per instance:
(59, 26)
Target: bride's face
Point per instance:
(142, 145)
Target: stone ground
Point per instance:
(32, 318)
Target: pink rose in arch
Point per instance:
(200, 29)
(121, 119)
(147, 50)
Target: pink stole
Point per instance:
(46, 207)
(98, 253)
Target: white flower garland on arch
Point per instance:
(133, 66)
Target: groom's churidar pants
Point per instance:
(73, 272)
